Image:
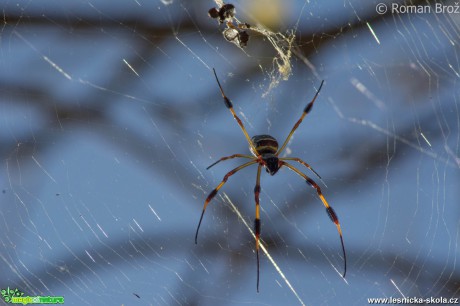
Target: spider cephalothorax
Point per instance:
(265, 153)
(271, 162)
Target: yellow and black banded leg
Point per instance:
(229, 105)
(257, 221)
(329, 209)
(306, 110)
(305, 164)
(230, 157)
(214, 192)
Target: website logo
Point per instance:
(15, 296)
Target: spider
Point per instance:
(265, 152)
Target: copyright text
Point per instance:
(437, 8)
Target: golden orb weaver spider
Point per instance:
(265, 152)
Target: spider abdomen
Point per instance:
(264, 144)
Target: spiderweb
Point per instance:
(110, 114)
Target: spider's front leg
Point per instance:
(330, 211)
(214, 192)
(257, 220)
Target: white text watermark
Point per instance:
(437, 8)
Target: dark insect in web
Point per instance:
(233, 33)
(226, 12)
